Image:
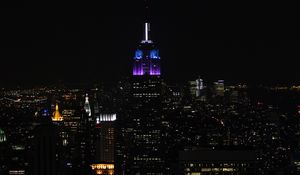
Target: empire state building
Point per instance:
(146, 59)
(143, 132)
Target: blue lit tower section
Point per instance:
(146, 60)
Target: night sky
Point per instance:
(45, 42)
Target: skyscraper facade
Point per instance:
(45, 147)
(143, 153)
(105, 143)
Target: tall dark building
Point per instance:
(3, 152)
(142, 133)
(84, 144)
(45, 147)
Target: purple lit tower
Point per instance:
(142, 151)
(146, 60)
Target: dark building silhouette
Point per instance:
(3, 152)
(84, 147)
(45, 147)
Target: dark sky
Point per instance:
(85, 41)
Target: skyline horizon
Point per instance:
(105, 83)
(99, 45)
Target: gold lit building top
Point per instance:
(104, 169)
(56, 115)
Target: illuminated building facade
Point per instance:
(211, 162)
(103, 169)
(105, 144)
(3, 152)
(71, 120)
(196, 87)
(142, 134)
(146, 60)
(219, 88)
(56, 115)
(87, 106)
(2, 136)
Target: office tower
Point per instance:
(57, 120)
(45, 147)
(2, 136)
(143, 154)
(71, 124)
(196, 87)
(85, 133)
(105, 144)
(200, 86)
(84, 148)
(87, 106)
(63, 147)
(3, 152)
(219, 88)
(71, 120)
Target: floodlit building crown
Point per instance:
(57, 115)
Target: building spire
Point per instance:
(56, 115)
(147, 4)
(147, 22)
(147, 29)
(87, 106)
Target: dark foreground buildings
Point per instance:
(225, 162)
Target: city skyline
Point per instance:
(143, 88)
(87, 42)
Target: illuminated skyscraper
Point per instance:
(57, 119)
(219, 88)
(146, 60)
(2, 136)
(87, 106)
(56, 115)
(142, 134)
(196, 87)
(105, 144)
(3, 152)
(200, 86)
